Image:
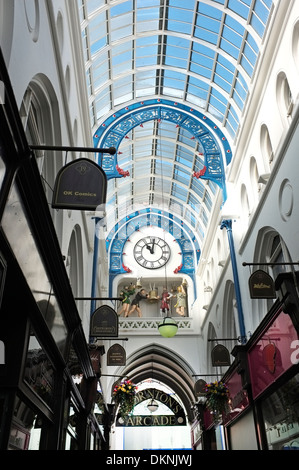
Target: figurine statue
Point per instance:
(165, 306)
(142, 294)
(181, 301)
(126, 293)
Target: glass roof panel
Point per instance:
(201, 54)
(240, 7)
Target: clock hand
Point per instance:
(153, 247)
(150, 249)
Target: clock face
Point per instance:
(151, 252)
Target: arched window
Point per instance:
(246, 209)
(40, 116)
(284, 96)
(266, 147)
(270, 249)
(295, 44)
(254, 179)
(230, 314)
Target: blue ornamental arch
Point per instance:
(217, 155)
(217, 152)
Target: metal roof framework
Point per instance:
(147, 60)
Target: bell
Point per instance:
(138, 283)
(153, 295)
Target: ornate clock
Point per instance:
(151, 252)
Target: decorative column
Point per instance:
(228, 225)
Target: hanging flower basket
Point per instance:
(217, 395)
(124, 396)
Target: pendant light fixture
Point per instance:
(152, 405)
(168, 327)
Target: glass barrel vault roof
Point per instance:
(199, 54)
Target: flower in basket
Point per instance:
(124, 396)
(217, 395)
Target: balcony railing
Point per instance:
(149, 325)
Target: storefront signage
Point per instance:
(200, 388)
(81, 184)
(150, 420)
(116, 356)
(220, 356)
(104, 322)
(261, 285)
(178, 417)
(95, 354)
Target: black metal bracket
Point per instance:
(111, 150)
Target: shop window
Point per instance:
(14, 223)
(71, 438)
(26, 428)
(39, 373)
(281, 417)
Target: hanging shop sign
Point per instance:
(104, 322)
(81, 184)
(116, 356)
(220, 356)
(95, 353)
(261, 285)
(200, 388)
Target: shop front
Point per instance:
(42, 343)
(273, 364)
(263, 383)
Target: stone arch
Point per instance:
(157, 360)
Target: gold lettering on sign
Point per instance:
(78, 193)
(158, 420)
(261, 286)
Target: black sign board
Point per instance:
(200, 388)
(116, 356)
(104, 322)
(220, 356)
(81, 184)
(261, 285)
